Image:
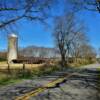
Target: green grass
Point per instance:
(18, 75)
(6, 79)
(45, 70)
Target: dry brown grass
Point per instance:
(4, 65)
(3, 62)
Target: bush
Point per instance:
(2, 59)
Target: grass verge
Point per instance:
(17, 75)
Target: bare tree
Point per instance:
(67, 33)
(88, 53)
(91, 5)
(13, 11)
(98, 52)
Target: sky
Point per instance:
(31, 33)
(34, 33)
(92, 20)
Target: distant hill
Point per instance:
(35, 51)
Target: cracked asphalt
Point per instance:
(82, 87)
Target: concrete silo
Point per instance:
(12, 47)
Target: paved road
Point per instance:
(83, 87)
(92, 66)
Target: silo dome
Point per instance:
(13, 35)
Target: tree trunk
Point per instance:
(63, 61)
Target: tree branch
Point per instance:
(4, 24)
(8, 9)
